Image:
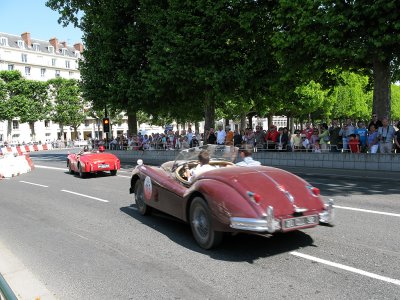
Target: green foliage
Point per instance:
(8, 76)
(68, 105)
(395, 102)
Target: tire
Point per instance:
(69, 167)
(200, 223)
(81, 173)
(113, 172)
(142, 207)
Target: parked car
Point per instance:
(86, 162)
(229, 198)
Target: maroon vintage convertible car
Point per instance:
(262, 200)
(93, 162)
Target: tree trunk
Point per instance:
(32, 128)
(62, 132)
(9, 130)
(226, 122)
(381, 100)
(243, 121)
(132, 123)
(196, 127)
(209, 114)
(270, 117)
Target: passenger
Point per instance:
(248, 161)
(204, 159)
(84, 150)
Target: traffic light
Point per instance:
(106, 125)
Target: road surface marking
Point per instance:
(52, 168)
(124, 176)
(347, 268)
(368, 211)
(34, 183)
(83, 195)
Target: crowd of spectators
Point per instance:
(377, 136)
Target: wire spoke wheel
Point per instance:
(139, 199)
(200, 222)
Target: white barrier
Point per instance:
(11, 165)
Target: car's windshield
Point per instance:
(216, 152)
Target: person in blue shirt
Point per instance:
(362, 132)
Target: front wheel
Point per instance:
(69, 167)
(81, 173)
(113, 172)
(142, 207)
(200, 222)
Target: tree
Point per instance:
(68, 105)
(395, 102)
(29, 102)
(314, 36)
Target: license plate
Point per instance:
(300, 221)
(104, 166)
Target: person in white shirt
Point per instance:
(204, 159)
(221, 134)
(248, 161)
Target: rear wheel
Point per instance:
(142, 207)
(200, 222)
(113, 172)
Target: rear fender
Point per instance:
(223, 200)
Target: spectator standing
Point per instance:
(308, 131)
(362, 132)
(375, 121)
(221, 134)
(334, 137)
(229, 136)
(250, 137)
(272, 137)
(346, 131)
(189, 135)
(237, 139)
(385, 136)
(259, 137)
(248, 161)
(323, 136)
(211, 137)
(295, 140)
(194, 142)
(314, 140)
(354, 143)
(283, 139)
(372, 140)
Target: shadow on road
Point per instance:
(241, 247)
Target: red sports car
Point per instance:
(84, 163)
(228, 198)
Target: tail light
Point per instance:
(314, 191)
(254, 197)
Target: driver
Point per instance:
(248, 161)
(84, 150)
(204, 159)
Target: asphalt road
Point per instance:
(82, 239)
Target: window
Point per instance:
(64, 51)
(53, 62)
(47, 123)
(58, 73)
(36, 47)
(27, 71)
(24, 57)
(87, 123)
(15, 124)
(77, 54)
(21, 44)
(67, 64)
(42, 72)
(71, 74)
(10, 67)
(3, 41)
(50, 49)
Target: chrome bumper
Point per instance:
(328, 215)
(269, 224)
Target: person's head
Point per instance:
(211, 130)
(245, 152)
(385, 121)
(324, 126)
(220, 127)
(280, 130)
(102, 148)
(372, 128)
(204, 157)
(334, 123)
(86, 149)
(258, 128)
(297, 132)
(374, 117)
(348, 121)
(352, 137)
